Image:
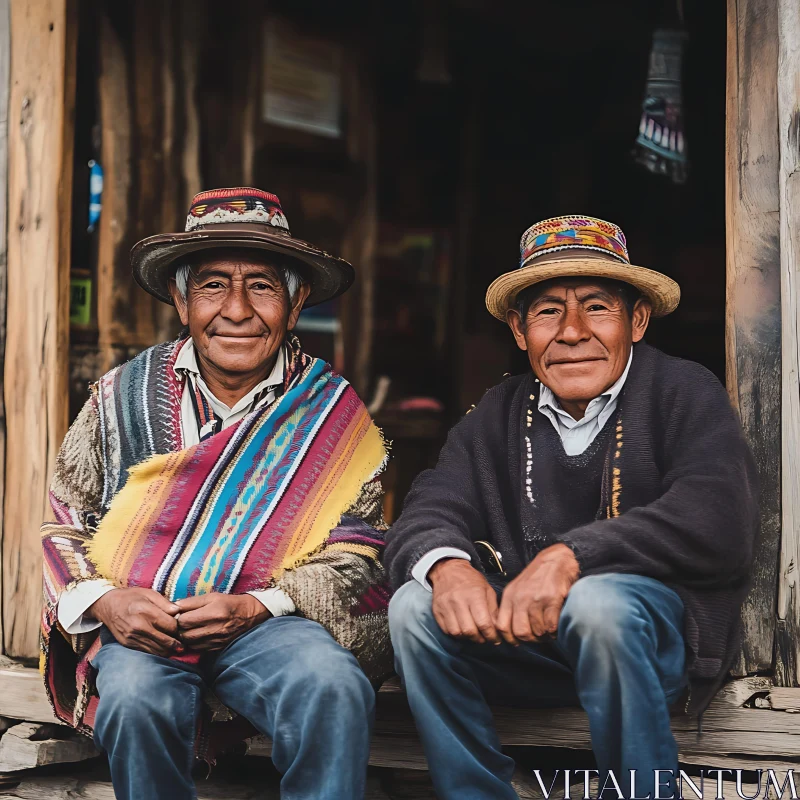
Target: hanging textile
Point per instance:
(661, 144)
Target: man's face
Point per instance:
(578, 336)
(237, 310)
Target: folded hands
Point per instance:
(466, 607)
(142, 619)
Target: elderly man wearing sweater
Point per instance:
(586, 536)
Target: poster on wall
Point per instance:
(302, 81)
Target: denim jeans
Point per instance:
(287, 676)
(619, 653)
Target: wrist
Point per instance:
(563, 553)
(447, 566)
(97, 609)
(256, 610)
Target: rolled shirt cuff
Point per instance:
(421, 569)
(276, 601)
(75, 602)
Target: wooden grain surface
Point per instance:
(41, 112)
(79, 787)
(753, 317)
(5, 51)
(787, 667)
(359, 244)
(124, 311)
(772, 736)
(22, 696)
(30, 745)
(782, 698)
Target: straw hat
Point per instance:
(574, 246)
(240, 217)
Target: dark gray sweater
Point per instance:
(678, 496)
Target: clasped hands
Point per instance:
(465, 605)
(142, 619)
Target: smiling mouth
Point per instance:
(573, 361)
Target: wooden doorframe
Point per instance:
(753, 310)
(787, 665)
(763, 254)
(5, 85)
(40, 148)
(763, 249)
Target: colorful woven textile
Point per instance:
(575, 232)
(231, 513)
(289, 498)
(236, 205)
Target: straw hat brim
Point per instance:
(153, 258)
(662, 292)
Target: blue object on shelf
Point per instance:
(95, 193)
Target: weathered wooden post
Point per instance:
(787, 666)
(753, 318)
(5, 51)
(40, 145)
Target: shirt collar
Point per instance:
(186, 364)
(548, 400)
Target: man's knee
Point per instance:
(600, 608)
(333, 677)
(411, 619)
(138, 690)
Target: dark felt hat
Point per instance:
(240, 217)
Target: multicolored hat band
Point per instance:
(238, 218)
(224, 206)
(569, 233)
(578, 246)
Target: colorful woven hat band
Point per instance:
(573, 233)
(226, 206)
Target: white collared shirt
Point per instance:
(74, 602)
(187, 369)
(576, 435)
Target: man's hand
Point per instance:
(212, 621)
(464, 604)
(532, 602)
(140, 619)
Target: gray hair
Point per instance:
(291, 279)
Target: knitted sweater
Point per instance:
(678, 497)
(565, 490)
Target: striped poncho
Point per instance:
(288, 497)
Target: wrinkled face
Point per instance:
(578, 335)
(237, 309)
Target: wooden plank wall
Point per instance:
(360, 241)
(150, 153)
(5, 53)
(753, 325)
(41, 110)
(787, 671)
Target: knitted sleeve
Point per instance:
(75, 497)
(344, 587)
(700, 532)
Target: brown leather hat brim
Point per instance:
(153, 259)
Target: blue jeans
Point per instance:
(287, 676)
(619, 653)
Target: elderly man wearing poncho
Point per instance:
(219, 524)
